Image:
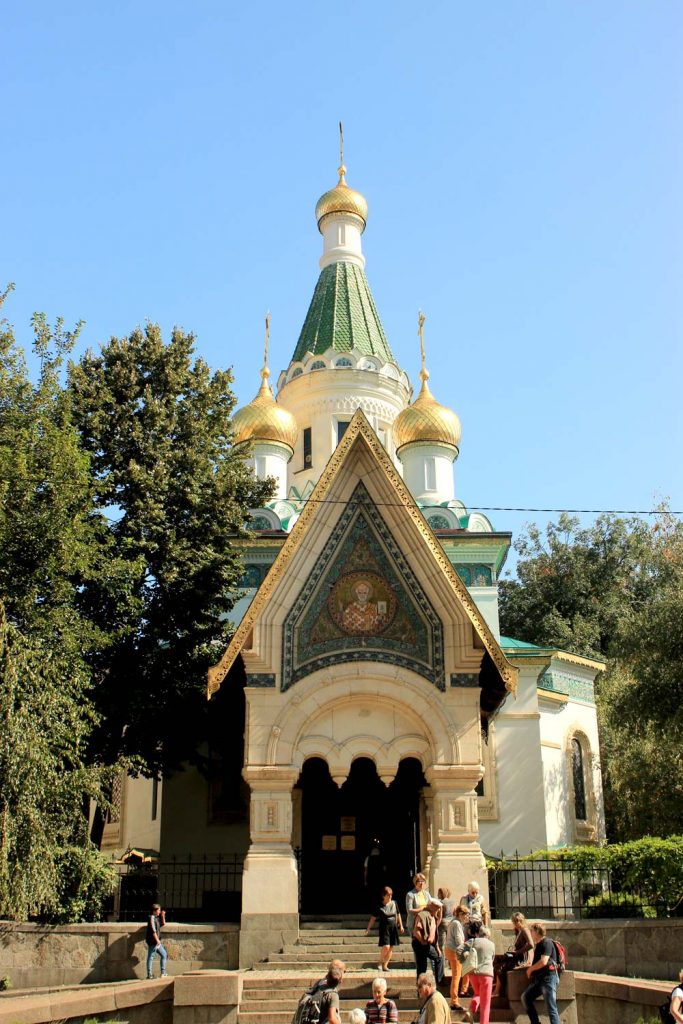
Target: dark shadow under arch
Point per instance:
(341, 826)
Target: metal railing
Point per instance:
(549, 889)
(194, 889)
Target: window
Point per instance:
(579, 780)
(155, 798)
(308, 448)
(318, 365)
(341, 429)
(430, 474)
(343, 362)
(260, 467)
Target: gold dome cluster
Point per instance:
(341, 199)
(264, 420)
(427, 420)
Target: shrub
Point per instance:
(616, 904)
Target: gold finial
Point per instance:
(424, 372)
(341, 170)
(265, 372)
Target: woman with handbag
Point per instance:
(482, 976)
(519, 954)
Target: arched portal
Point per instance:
(357, 837)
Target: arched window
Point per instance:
(579, 780)
(343, 362)
(318, 365)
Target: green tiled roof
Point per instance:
(342, 316)
(509, 643)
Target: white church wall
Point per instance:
(486, 599)
(519, 774)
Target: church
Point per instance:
(367, 702)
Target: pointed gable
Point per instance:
(361, 525)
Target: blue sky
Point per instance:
(522, 164)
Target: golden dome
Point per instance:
(427, 420)
(342, 199)
(264, 420)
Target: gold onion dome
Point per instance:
(426, 420)
(342, 199)
(264, 420)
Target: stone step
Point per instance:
(361, 966)
(246, 1016)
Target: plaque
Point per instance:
(329, 843)
(348, 842)
(348, 825)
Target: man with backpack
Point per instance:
(320, 1005)
(544, 975)
(671, 1012)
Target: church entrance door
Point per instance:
(357, 838)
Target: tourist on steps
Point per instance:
(543, 976)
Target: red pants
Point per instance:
(482, 985)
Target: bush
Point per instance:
(616, 904)
(86, 880)
(651, 866)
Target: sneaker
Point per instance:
(164, 974)
(150, 977)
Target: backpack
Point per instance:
(308, 1007)
(560, 957)
(665, 1010)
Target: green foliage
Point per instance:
(51, 545)
(650, 866)
(86, 879)
(5, 983)
(156, 422)
(617, 904)
(615, 590)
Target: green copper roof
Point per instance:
(342, 316)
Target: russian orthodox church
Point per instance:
(367, 700)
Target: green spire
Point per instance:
(342, 316)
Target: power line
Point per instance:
(500, 508)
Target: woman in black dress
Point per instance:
(390, 923)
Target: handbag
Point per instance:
(470, 960)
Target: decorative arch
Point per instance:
(579, 758)
(313, 722)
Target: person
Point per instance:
(425, 942)
(389, 924)
(447, 908)
(434, 1008)
(518, 956)
(455, 943)
(543, 976)
(155, 947)
(417, 899)
(482, 976)
(676, 1005)
(474, 901)
(381, 1010)
(329, 1003)
(374, 872)
(360, 616)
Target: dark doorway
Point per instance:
(358, 838)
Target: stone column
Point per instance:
(456, 856)
(270, 885)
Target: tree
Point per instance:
(614, 590)
(50, 545)
(156, 423)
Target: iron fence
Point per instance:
(549, 889)
(195, 889)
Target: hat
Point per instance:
(434, 902)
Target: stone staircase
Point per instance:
(272, 990)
